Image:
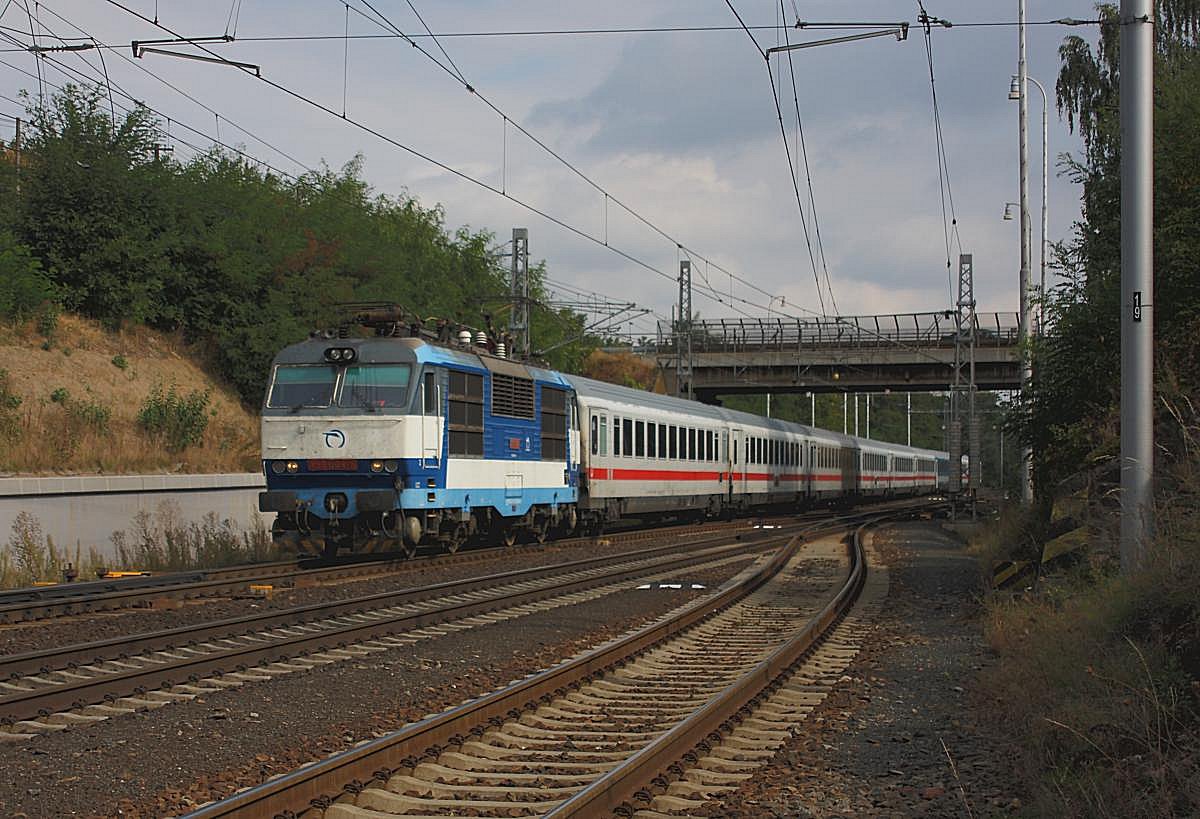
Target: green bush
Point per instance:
(10, 426)
(24, 286)
(60, 395)
(120, 362)
(89, 414)
(179, 420)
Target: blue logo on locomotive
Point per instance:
(335, 439)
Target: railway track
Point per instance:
(650, 724)
(52, 689)
(39, 603)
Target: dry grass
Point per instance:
(158, 542)
(1098, 682)
(80, 394)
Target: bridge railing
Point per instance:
(901, 329)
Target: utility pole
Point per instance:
(683, 346)
(908, 413)
(17, 155)
(812, 403)
(868, 415)
(518, 321)
(160, 149)
(855, 415)
(1026, 311)
(1137, 280)
(845, 411)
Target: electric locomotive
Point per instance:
(384, 443)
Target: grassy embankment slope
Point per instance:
(72, 403)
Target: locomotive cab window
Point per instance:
(375, 386)
(296, 386)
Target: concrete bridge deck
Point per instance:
(911, 352)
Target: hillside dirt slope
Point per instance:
(69, 403)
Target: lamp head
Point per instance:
(1014, 89)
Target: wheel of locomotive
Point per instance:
(508, 535)
(540, 530)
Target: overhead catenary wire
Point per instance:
(812, 199)
(465, 176)
(949, 226)
(731, 300)
(452, 71)
(787, 150)
(140, 66)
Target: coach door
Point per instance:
(811, 469)
(431, 421)
(737, 467)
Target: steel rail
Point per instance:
(620, 788)
(294, 574)
(348, 772)
(180, 670)
(120, 647)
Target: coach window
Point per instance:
(691, 440)
(603, 434)
(672, 442)
(708, 445)
(662, 440)
(595, 435)
(639, 439)
(616, 436)
(627, 437)
(651, 439)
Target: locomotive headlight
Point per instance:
(278, 467)
(391, 466)
(293, 466)
(348, 354)
(376, 466)
(334, 354)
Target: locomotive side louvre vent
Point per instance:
(512, 396)
(554, 424)
(465, 421)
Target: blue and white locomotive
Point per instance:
(397, 440)
(382, 443)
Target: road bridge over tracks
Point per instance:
(907, 352)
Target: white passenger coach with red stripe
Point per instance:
(648, 453)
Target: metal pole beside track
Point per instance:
(1137, 280)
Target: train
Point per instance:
(402, 439)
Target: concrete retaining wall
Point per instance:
(87, 510)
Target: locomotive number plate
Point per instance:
(333, 465)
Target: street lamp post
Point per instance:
(1014, 93)
(1026, 312)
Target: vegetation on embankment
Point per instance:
(1098, 679)
(210, 264)
(77, 398)
(233, 257)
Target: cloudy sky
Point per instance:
(679, 126)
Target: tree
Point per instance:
(1069, 417)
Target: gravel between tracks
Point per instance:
(166, 761)
(21, 637)
(882, 743)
